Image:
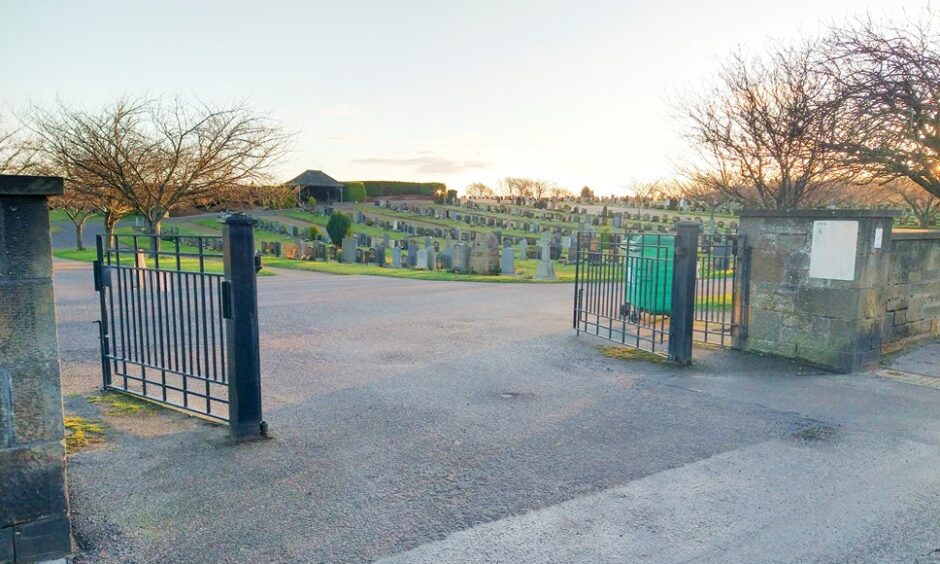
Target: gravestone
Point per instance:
(523, 249)
(484, 257)
(545, 270)
(412, 254)
(396, 257)
(507, 259)
(447, 257)
(421, 263)
(432, 258)
(461, 260)
(380, 256)
(349, 250)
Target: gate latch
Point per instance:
(226, 299)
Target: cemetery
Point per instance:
(482, 241)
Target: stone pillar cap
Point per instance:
(22, 185)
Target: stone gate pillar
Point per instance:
(817, 283)
(34, 515)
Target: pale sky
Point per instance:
(433, 90)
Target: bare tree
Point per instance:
(766, 130)
(644, 192)
(540, 187)
(516, 187)
(17, 155)
(78, 206)
(157, 155)
(479, 190)
(558, 193)
(887, 86)
(924, 206)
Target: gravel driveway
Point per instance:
(406, 411)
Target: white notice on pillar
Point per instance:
(833, 250)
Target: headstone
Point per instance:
(507, 259)
(432, 258)
(447, 257)
(523, 249)
(484, 257)
(461, 260)
(412, 254)
(380, 256)
(396, 257)
(349, 250)
(545, 270)
(422, 259)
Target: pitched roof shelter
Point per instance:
(318, 184)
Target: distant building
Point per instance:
(318, 184)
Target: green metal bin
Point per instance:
(648, 287)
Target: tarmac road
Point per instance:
(458, 422)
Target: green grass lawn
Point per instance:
(525, 269)
(186, 264)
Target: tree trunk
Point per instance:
(110, 222)
(80, 235)
(153, 225)
(925, 219)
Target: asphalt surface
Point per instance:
(458, 422)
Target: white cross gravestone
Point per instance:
(545, 270)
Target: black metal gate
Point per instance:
(173, 309)
(659, 292)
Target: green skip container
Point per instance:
(649, 274)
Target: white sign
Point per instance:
(879, 234)
(833, 250)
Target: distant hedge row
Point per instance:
(378, 188)
(355, 192)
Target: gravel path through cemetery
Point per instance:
(461, 422)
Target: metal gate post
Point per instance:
(240, 309)
(102, 280)
(683, 293)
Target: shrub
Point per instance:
(355, 192)
(312, 232)
(339, 226)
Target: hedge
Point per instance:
(354, 192)
(378, 188)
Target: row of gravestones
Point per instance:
(482, 258)
(279, 228)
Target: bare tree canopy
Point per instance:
(540, 187)
(17, 155)
(479, 190)
(765, 131)
(157, 155)
(887, 85)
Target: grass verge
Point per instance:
(629, 354)
(524, 272)
(81, 433)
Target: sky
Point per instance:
(581, 93)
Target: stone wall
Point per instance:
(912, 294)
(34, 518)
(832, 323)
